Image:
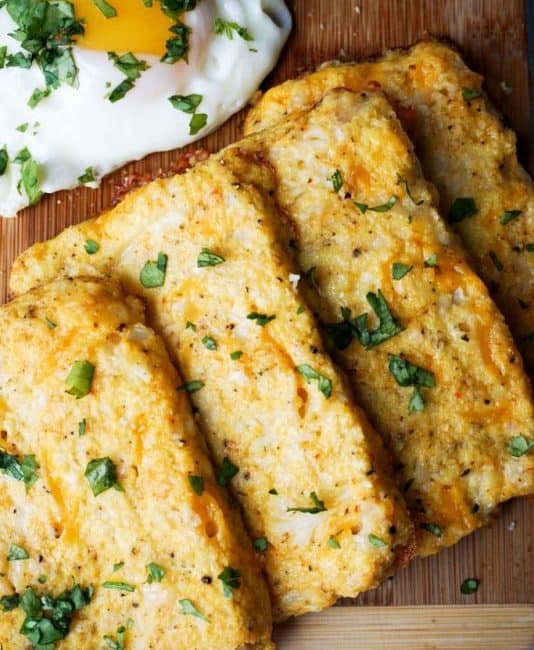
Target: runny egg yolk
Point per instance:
(136, 28)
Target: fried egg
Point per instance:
(90, 85)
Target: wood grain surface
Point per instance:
(412, 628)
(491, 35)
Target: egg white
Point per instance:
(77, 128)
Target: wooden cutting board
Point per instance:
(491, 35)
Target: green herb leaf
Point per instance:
(273, 491)
(470, 93)
(324, 383)
(17, 553)
(431, 261)
(227, 472)
(408, 191)
(25, 470)
(227, 28)
(91, 246)
(317, 507)
(37, 96)
(260, 544)
(190, 326)
(87, 177)
(399, 270)
(22, 128)
(117, 566)
(119, 586)
(105, 8)
(363, 207)
(186, 103)
(337, 180)
(519, 446)
(496, 261)
(209, 343)
(80, 379)
(197, 484)
(129, 65)
(101, 474)
(236, 355)
(177, 47)
(50, 323)
(432, 528)
(509, 215)
(3, 55)
(377, 541)
(407, 374)
(208, 258)
(230, 579)
(417, 401)
(119, 642)
(469, 586)
(462, 208)
(333, 543)
(189, 609)
(261, 319)
(197, 122)
(4, 159)
(156, 573)
(120, 91)
(191, 386)
(82, 427)
(9, 603)
(30, 173)
(48, 618)
(153, 273)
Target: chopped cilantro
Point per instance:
(363, 207)
(119, 642)
(22, 128)
(119, 586)
(432, 528)
(407, 374)
(30, 172)
(333, 543)
(261, 319)
(230, 579)
(197, 484)
(519, 446)
(324, 383)
(408, 191)
(130, 66)
(155, 573)
(227, 472)
(177, 47)
(121, 90)
(3, 54)
(376, 541)
(496, 261)
(317, 507)
(4, 159)
(209, 343)
(469, 586)
(417, 401)
(462, 208)
(431, 261)
(509, 215)
(91, 246)
(208, 258)
(197, 122)
(80, 379)
(82, 427)
(399, 270)
(37, 96)
(87, 177)
(227, 28)
(25, 470)
(153, 273)
(50, 323)
(48, 618)
(190, 610)
(17, 553)
(337, 180)
(260, 544)
(236, 355)
(117, 566)
(186, 103)
(191, 386)
(273, 491)
(105, 8)
(101, 474)
(9, 603)
(470, 93)
(190, 326)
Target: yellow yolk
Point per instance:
(136, 28)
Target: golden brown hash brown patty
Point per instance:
(360, 218)
(464, 150)
(159, 544)
(295, 451)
